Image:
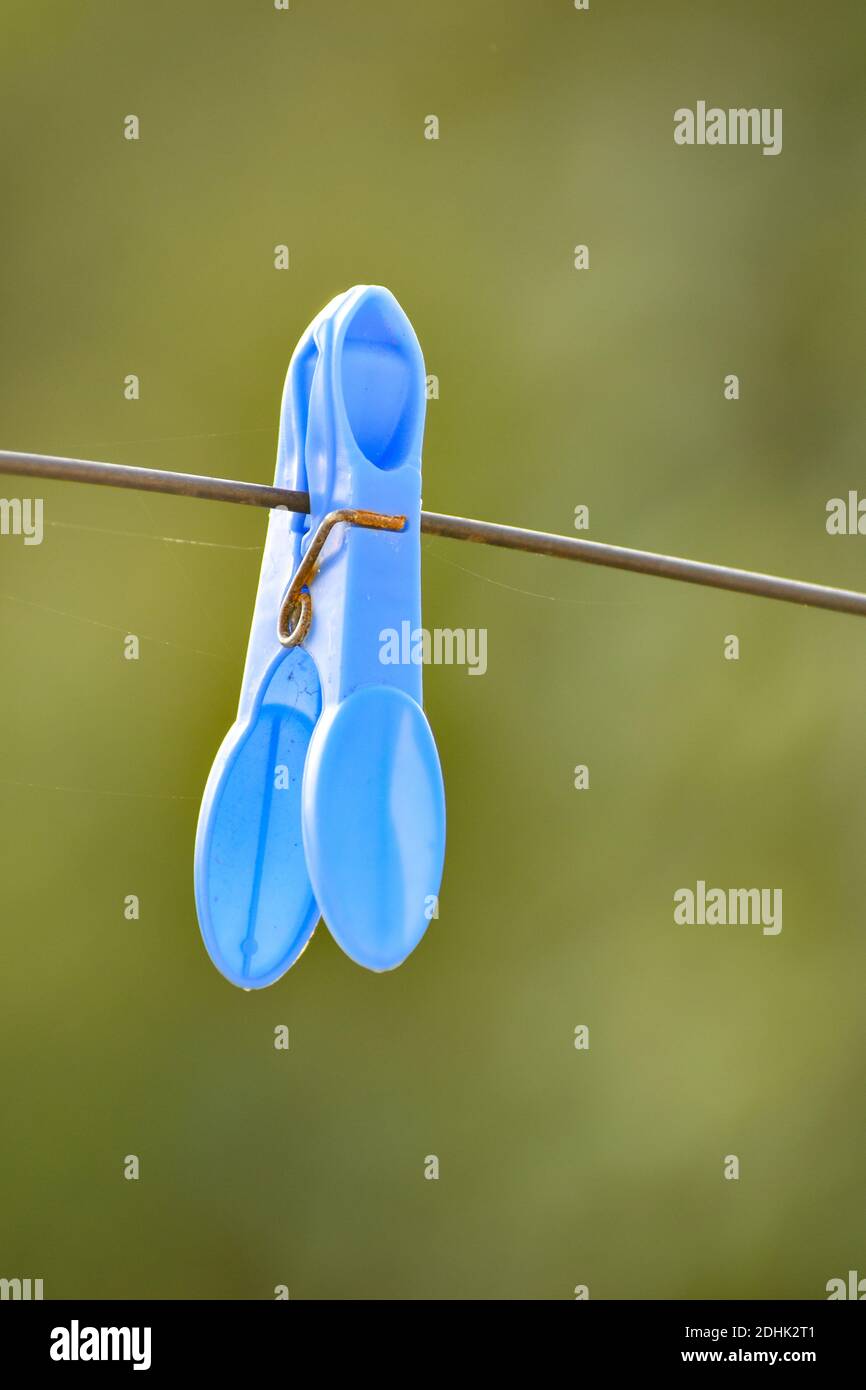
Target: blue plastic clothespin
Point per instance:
(326, 795)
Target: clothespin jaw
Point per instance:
(255, 904)
(373, 806)
(326, 796)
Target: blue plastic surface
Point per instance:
(255, 904)
(327, 792)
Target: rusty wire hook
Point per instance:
(297, 606)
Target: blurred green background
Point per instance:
(557, 387)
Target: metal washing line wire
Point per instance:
(454, 527)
